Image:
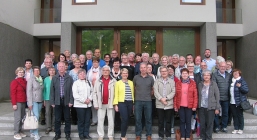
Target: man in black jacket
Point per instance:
(61, 99)
(222, 78)
(125, 64)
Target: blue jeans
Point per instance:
(84, 115)
(224, 116)
(36, 108)
(125, 109)
(147, 107)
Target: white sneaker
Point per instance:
(37, 137)
(240, 132)
(22, 135)
(234, 131)
(17, 136)
(32, 135)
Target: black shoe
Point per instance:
(224, 130)
(217, 130)
(87, 137)
(43, 122)
(68, 137)
(193, 131)
(81, 138)
(56, 137)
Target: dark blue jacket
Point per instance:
(240, 92)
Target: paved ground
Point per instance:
(5, 108)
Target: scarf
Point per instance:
(39, 80)
(234, 80)
(91, 71)
(114, 73)
(186, 81)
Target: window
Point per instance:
(192, 2)
(84, 2)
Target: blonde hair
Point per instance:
(191, 63)
(19, 69)
(229, 61)
(76, 60)
(124, 70)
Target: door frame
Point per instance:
(116, 38)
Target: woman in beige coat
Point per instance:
(164, 91)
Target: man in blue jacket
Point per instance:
(97, 54)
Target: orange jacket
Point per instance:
(192, 95)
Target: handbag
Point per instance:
(246, 105)
(30, 121)
(178, 135)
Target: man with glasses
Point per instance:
(125, 64)
(156, 63)
(181, 65)
(114, 55)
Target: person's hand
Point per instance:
(116, 108)
(176, 109)
(238, 84)
(165, 103)
(14, 107)
(53, 105)
(217, 111)
(163, 100)
(70, 105)
(30, 107)
(96, 108)
(194, 109)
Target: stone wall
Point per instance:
(246, 56)
(15, 47)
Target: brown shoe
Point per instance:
(138, 138)
(149, 138)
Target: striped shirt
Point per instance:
(128, 94)
(62, 86)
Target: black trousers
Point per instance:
(206, 118)
(164, 117)
(185, 115)
(238, 116)
(58, 115)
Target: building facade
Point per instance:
(29, 28)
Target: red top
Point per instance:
(184, 95)
(192, 95)
(18, 91)
(105, 90)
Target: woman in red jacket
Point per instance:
(185, 102)
(18, 99)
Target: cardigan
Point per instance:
(119, 94)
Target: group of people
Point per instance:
(85, 89)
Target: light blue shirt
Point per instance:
(197, 69)
(223, 75)
(210, 63)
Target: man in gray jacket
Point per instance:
(222, 78)
(61, 99)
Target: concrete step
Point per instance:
(246, 135)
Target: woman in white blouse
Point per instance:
(82, 93)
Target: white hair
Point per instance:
(107, 67)
(82, 55)
(74, 55)
(131, 53)
(175, 55)
(156, 54)
(145, 54)
(89, 51)
(220, 59)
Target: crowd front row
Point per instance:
(107, 94)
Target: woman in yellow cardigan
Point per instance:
(123, 100)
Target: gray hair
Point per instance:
(48, 59)
(175, 55)
(131, 53)
(81, 70)
(143, 63)
(163, 67)
(145, 54)
(206, 72)
(74, 55)
(220, 59)
(47, 53)
(156, 54)
(89, 51)
(107, 67)
(82, 55)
